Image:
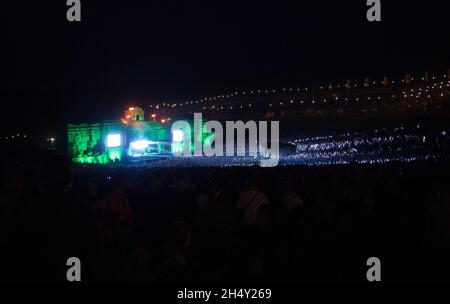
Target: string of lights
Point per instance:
(301, 95)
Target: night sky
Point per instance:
(143, 52)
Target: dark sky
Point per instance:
(142, 52)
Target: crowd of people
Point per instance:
(237, 224)
(384, 145)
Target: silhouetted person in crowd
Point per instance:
(251, 199)
(114, 215)
(114, 219)
(176, 264)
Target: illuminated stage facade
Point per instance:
(130, 138)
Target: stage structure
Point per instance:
(129, 139)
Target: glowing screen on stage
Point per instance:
(113, 140)
(143, 147)
(177, 135)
